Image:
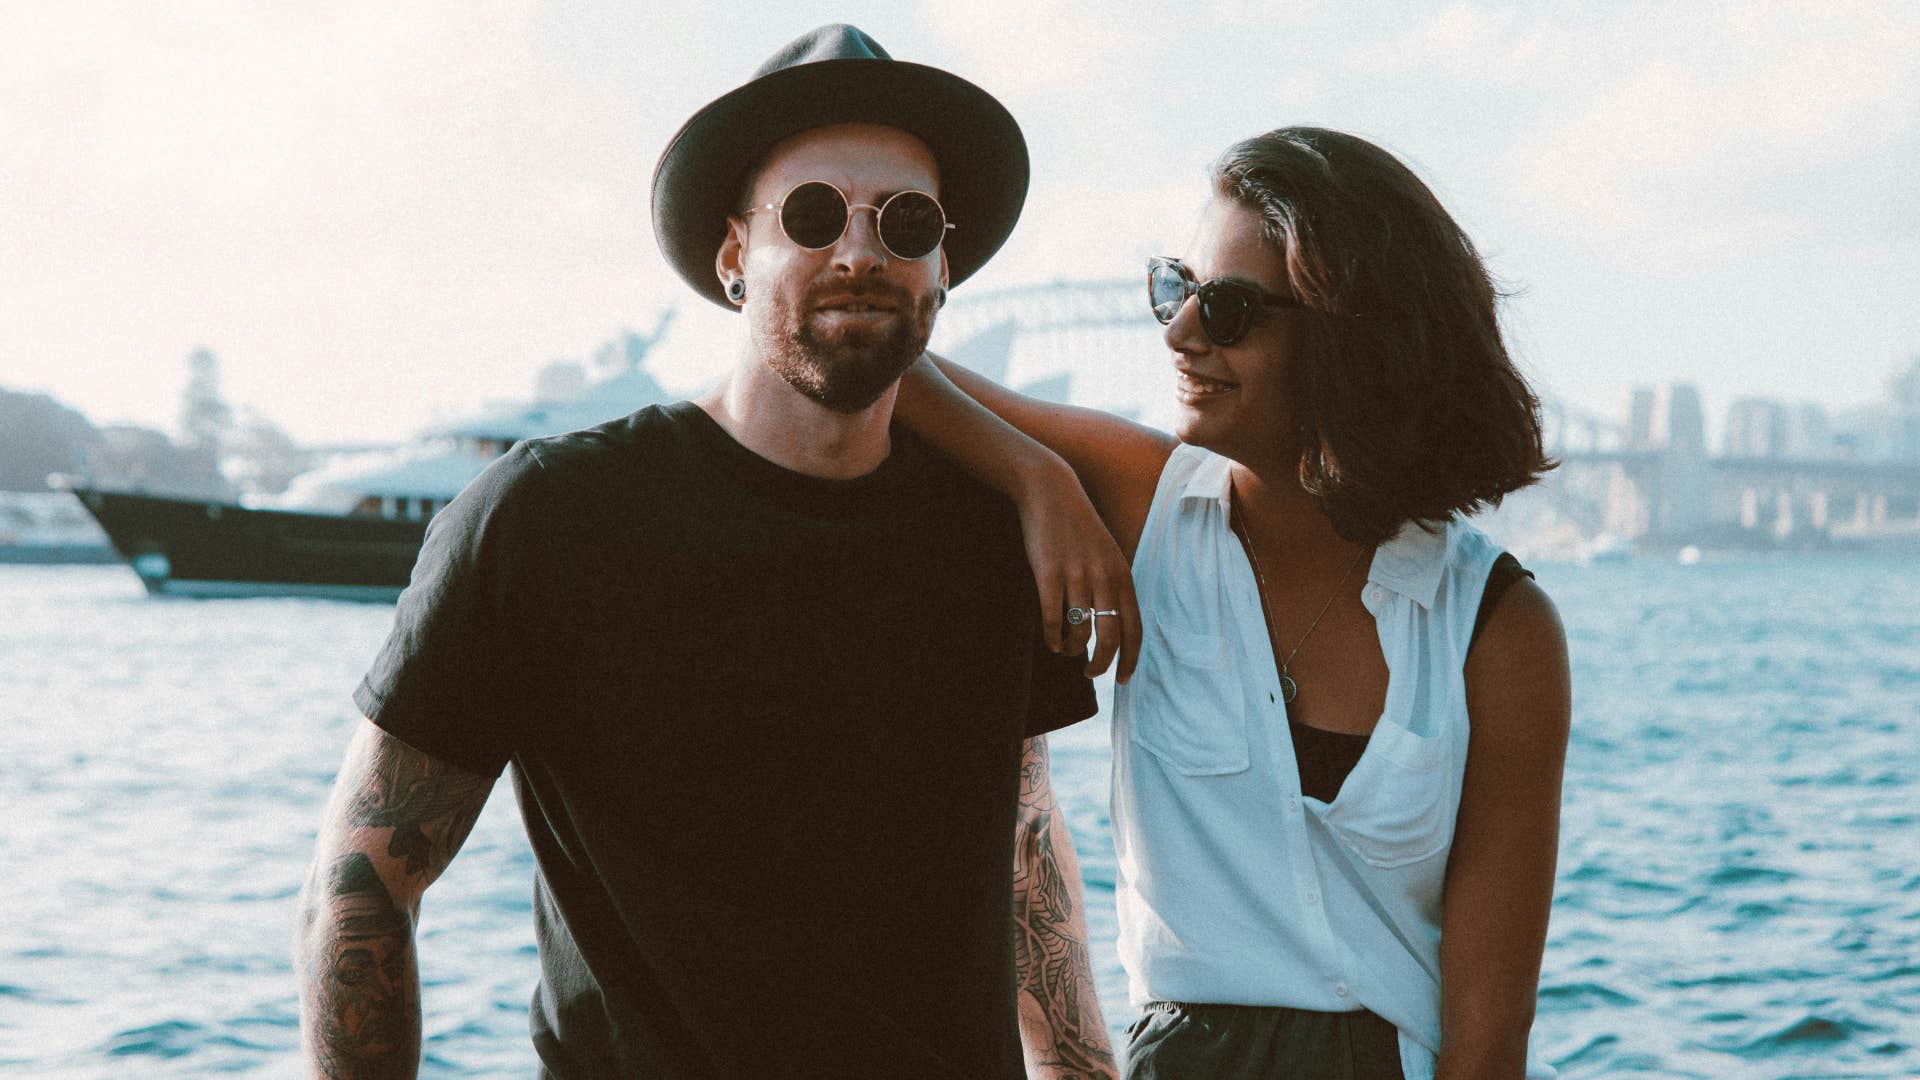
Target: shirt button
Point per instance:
(1378, 594)
(1313, 896)
(1340, 989)
(1294, 803)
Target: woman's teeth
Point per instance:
(1197, 386)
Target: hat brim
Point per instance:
(974, 139)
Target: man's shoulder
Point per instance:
(618, 452)
(584, 450)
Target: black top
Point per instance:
(765, 731)
(1326, 757)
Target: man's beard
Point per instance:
(848, 369)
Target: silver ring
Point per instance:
(1078, 615)
(1115, 613)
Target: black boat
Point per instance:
(189, 547)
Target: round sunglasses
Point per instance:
(815, 214)
(1226, 306)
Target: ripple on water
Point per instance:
(1589, 1053)
(1895, 971)
(1808, 1032)
(1749, 875)
(1754, 977)
(169, 1039)
(1583, 995)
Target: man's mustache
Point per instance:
(861, 289)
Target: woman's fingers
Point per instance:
(1077, 565)
(1118, 621)
(1079, 594)
(1108, 642)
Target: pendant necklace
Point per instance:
(1288, 688)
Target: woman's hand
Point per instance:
(1077, 564)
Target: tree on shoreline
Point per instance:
(38, 436)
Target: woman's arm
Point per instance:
(1040, 455)
(1499, 886)
(1117, 461)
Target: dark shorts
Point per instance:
(1174, 1041)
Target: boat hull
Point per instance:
(194, 547)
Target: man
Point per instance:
(767, 668)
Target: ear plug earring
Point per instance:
(736, 289)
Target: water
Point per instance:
(1738, 896)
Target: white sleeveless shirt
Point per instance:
(1233, 887)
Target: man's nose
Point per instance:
(859, 250)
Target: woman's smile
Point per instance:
(1192, 388)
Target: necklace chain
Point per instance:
(1289, 689)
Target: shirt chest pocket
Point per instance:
(1393, 809)
(1188, 709)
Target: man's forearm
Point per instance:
(1060, 1021)
(359, 983)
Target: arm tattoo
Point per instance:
(430, 806)
(359, 980)
(359, 985)
(1050, 949)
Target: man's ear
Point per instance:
(729, 261)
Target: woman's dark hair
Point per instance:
(1405, 404)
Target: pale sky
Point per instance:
(378, 214)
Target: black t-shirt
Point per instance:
(765, 731)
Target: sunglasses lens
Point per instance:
(1166, 290)
(1225, 313)
(912, 224)
(814, 215)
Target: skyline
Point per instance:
(379, 217)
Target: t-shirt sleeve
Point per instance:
(451, 679)
(1062, 694)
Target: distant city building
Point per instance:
(1766, 428)
(1809, 432)
(1864, 434)
(1904, 390)
(1682, 505)
(1640, 409)
(1756, 428)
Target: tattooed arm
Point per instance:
(395, 819)
(1060, 1022)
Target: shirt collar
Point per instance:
(1211, 480)
(1410, 563)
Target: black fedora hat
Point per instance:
(834, 75)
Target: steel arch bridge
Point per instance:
(1050, 308)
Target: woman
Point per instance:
(1337, 765)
